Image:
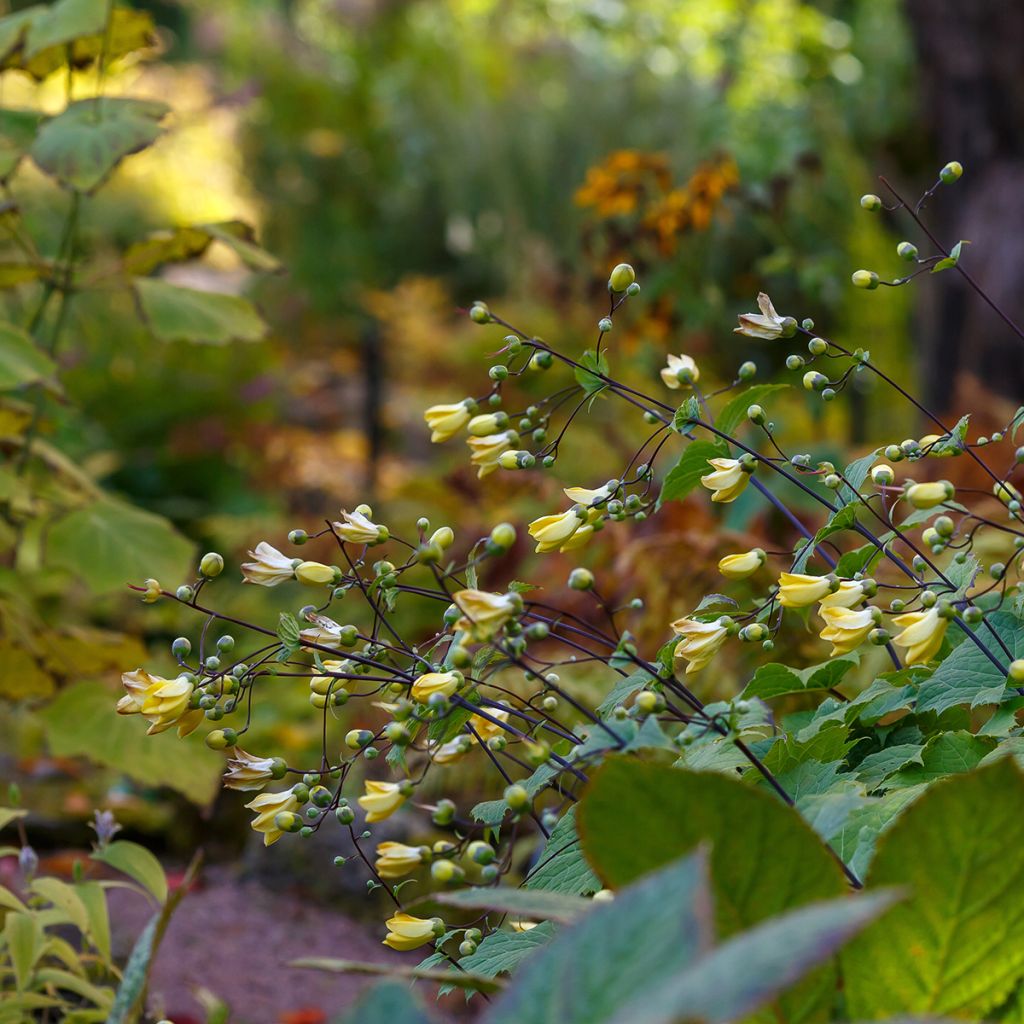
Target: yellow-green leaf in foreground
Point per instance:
(956, 945)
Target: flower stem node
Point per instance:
(951, 173)
(211, 565)
(864, 279)
(621, 277)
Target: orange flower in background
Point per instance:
(631, 181)
(615, 187)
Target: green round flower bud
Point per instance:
(944, 526)
(517, 797)
(445, 871)
(1017, 670)
(182, 647)
(218, 739)
(814, 381)
(794, 362)
(503, 536)
(864, 279)
(479, 313)
(356, 739)
(286, 821)
(621, 277)
(870, 202)
(756, 415)
(882, 476)
(184, 593)
(212, 663)
(997, 570)
(817, 346)
(298, 537)
(581, 579)
(444, 813)
(878, 637)
(225, 643)
(498, 372)
(301, 792)
(907, 251)
(211, 565)
(480, 852)
(321, 796)
(633, 289)
(604, 325)
(345, 815)
(747, 371)
(467, 948)
(973, 615)
(541, 361)
(953, 171)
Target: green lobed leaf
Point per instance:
(772, 863)
(652, 928)
(17, 131)
(853, 477)
(692, 465)
(775, 680)
(967, 676)
(946, 753)
(844, 519)
(591, 364)
(81, 146)
(110, 543)
(956, 945)
(175, 313)
(178, 245)
(734, 412)
(561, 866)
(21, 361)
(80, 722)
(743, 974)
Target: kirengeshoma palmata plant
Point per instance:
(792, 804)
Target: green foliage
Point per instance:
(692, 465)
(79, 723)
(109, 544)
(55, 956)
(778, 865)
(174, 313)
(957, 853)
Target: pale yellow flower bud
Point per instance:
(922, 635)
(739, 567)
(700, 642)
(444, 683)
(381, 799)
(928, 495)
(728, 480)
(314, 574)
(797, 590)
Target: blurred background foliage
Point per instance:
(402, 158)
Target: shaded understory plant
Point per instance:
(886, 765)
